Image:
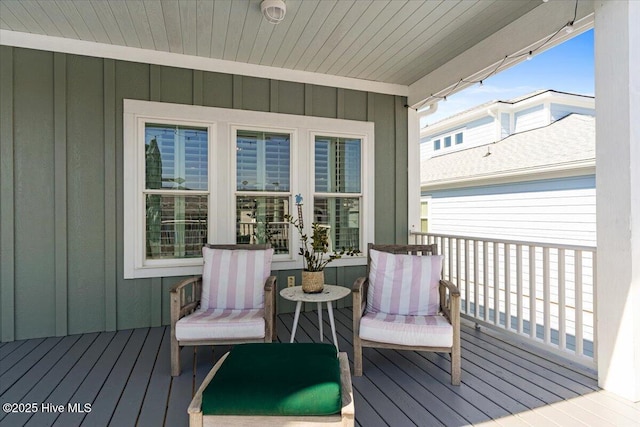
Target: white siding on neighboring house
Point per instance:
(493, 121)
(505, 125)
(530, 118)
(480, 132)
(477, 132)
(566, 144)
(425, 149)
(549, 211)
(559, 111)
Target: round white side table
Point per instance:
(329, 294)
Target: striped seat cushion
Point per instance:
(234, 279)
(221, 324)
(431, 331)
(404, 284)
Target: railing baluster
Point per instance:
(485, 277)
(476, 284)
(507, 286)
(562, 302)
(467, 283)
(496, 283)
(533, 314)
(578, 295)
(520, 293)
(458, 278)
(450, 251)
(594, 280)
(546, 295)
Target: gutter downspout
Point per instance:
(493, 112)
(431, 108)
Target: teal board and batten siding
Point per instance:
(61, 186)
(551, 211)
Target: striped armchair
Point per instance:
(404, 304)
(234, 301)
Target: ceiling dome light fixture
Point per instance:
(273, 10)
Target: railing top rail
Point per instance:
(511, 242)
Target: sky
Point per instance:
(568, 67)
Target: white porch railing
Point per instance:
(544, 292)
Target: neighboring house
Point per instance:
(516, 170)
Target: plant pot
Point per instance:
(312, 281)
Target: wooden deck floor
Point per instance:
(123, 378)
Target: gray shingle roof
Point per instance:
(564, 143)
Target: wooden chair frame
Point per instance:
(185, 299)
(449, 307)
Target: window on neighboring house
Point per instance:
(196, 175)
(436, 144)
(458, 138)
(424, 215)
(447, 141)
(338, 194)
(263, 188)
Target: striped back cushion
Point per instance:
(234, 279)
(404, 284)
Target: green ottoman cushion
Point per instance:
(276, 379)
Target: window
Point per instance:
(338, 189)
(196, 175)
(447, 141)
(424, 215)
(175, 191)
(263, 188)
(436, 144)
(458, 138)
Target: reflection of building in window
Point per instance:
(338, 188)
(263, 188)
(260, 219)
(179, 192)
(262, 161)
(176, 190)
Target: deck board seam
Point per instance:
(539, 362)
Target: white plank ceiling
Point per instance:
(396, 41)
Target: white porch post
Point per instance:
(413, 168)
(617, 53)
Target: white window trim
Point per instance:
(222, 122)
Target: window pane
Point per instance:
(447, 141)
(342, 215)
(424, 209)
(337, 164)
(436, 144)
(458, 138)
(176, 157)
(262, 161)
(261, 220)
(176, 226)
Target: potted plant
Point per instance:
(315, 251)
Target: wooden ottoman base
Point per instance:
(345, 418)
